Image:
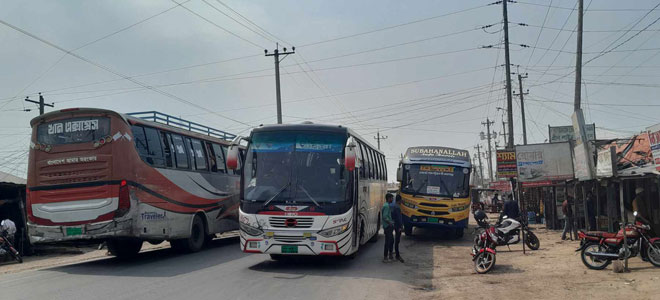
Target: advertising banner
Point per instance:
(567, 133)
(502, 185)
(654, 141)
(606, 165)
(506, 164)
(544, 162)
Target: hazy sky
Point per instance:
(414, 70)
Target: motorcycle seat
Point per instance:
(600, 234)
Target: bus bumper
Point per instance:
(423, 222)
(299, 243)
(92, 231)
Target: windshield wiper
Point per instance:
(308, 195)
(444, 185)
(420, 188)
(277, 194)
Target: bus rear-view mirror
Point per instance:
(232, 157)
(399, 174)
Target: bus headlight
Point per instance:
(334, 230)
(459, 208)
(250, 230)
(409, 205)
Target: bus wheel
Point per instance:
(124, 248)
(408, 229)
(458, 233)
(374, 238)
(196, 240)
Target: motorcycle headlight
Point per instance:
(250, 230)
(334, 230)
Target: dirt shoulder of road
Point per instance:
(555, 271)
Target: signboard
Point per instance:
(567, 133)
(584, 158)
(606, 165)
(654, 141)
(544, 162)
(502, 185)
(506, 164)
(440, 154)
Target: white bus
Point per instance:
(309, 189)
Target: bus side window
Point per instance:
(381, 165)
(140, 141)
(384, 167)
(219, 158)
(213, 162)
(155, 157)
(180, 152)
(190, 152)
(374, 165)
(200, 154)
(168, 149)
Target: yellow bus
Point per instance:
(435, 188)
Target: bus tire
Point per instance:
(124, 248)
(196, 240)
(408, 229)
(374, 238)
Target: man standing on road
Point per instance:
(510, 209)
(398, 225)
(567, 209)
(494, 201)
(388, 228)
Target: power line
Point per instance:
(115, 72)
(573, 9)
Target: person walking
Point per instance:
(398, 225)
(510, 209)
(388, 228)
(567, 209)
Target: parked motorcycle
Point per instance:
(509, 233)
(485, 242)
(598, 248)
(7, 248)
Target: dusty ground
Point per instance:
(554, 271)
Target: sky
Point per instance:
(420, 72)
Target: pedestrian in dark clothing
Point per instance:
(510, 209)
(398, 225)
(388, 228)
(567, 209)
(494, 201)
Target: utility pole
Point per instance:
(507, 65)
(41, 103)
(578, 59)
(503, 134)
(490, 153)
(378, 137)
(481, 166)
(277, 55)
(522, 106)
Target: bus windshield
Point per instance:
(436, 180)
(295, 167)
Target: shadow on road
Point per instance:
(159, 263)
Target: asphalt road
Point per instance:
(222, 271)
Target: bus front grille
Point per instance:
(288, 239)
(433, 204)
(433, 213)
(290, 222)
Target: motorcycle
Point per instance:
(598, 248)
(485, 242)
(509, 231)
(7, 247)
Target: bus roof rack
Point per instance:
(173, 121)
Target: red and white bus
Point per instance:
(309, 189)
(95, 174)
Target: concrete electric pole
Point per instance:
(490, 153)
(277, 55)
(507, 65)
(481, 166)
(41, 103)
(522, 106)
(379, 137)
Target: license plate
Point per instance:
(433, 220)
(73, 231)
(289, 249)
